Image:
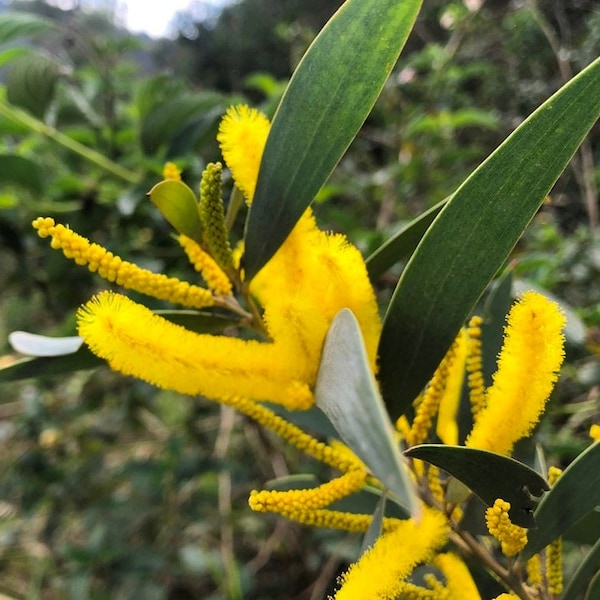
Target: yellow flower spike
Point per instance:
(428, 407)
(512, 538)
(212, 216)
(475, 366)
(171, 171)
(115, 269)
(212, 273)
(242, 136)
(506, 597)
(459, 583)
(595, 432)
(447, 427)
(137, 342)
(527, 369)
(290, 502)
(435, 484)
(380, 572)
(554, 572)
(327, 454)
(534, 571)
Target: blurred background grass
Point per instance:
(110, 488)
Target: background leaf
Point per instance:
(31, 82)
(15, 25)
(326, 102)
(474, 233)
(576, 586)
(576, 493)
(489, 475)
(21, 171)
(347, 393)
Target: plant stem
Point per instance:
(21, 117)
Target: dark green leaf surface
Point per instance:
(401, 245)
(326, 102)
(576, 493)
(473, 235)
(576, 586)
(50, 365)
(489, 475)
(179, 206)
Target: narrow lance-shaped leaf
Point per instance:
(586, 570)
(473, 235)
(347, 393)
(489, 475)
(575, 493)
(326, 102)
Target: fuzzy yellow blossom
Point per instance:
(242, 135)
(459, 583)
(307, 282)
(171, 171)
(512, 538)
(447, 427)
(595, 432)
(137, 342)
(380, 572)
(527, 369)
(506, 597)
(203, 262)
(122, 272)
(474, 365)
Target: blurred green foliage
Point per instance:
(112, 489)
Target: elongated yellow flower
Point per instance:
(527, 369)
(307, 282)
(447, 426)
(459, 583)
(122, 272)
(291, 502)
(137, 342)
(381, 570)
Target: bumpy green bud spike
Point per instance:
(212, 216)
